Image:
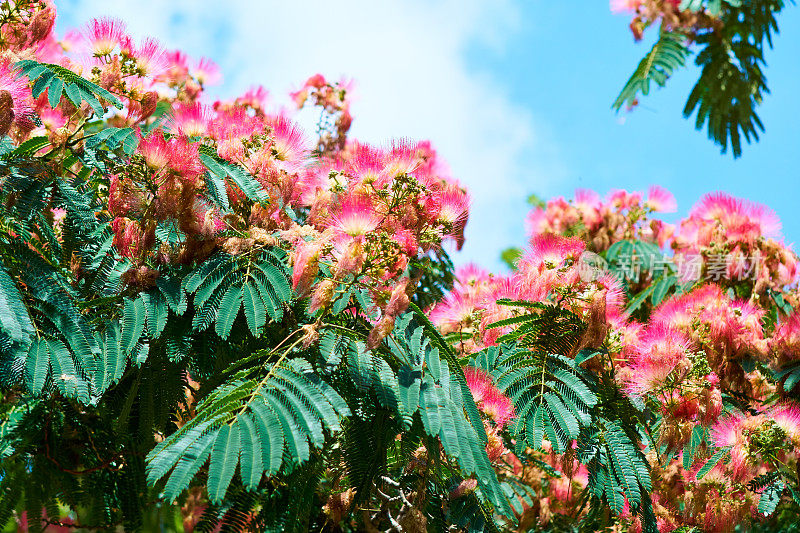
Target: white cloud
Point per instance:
(409, 60)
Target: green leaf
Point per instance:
(296, 441)
(566, 420)
(668, 54)
(661, 289)
(112, 363)
(270, 433)
(224, 457)
(65, 376)
(133, 321)
(584, 355)
(14, 319)
(640, 298)
(277, 280)
(228, 310)
(188, 463)
(251, 466)
(719, 455)
(54, 92)
(698, 435)
(115, 138)
(222, 169)
(173, 293)
(157, 313)
(253, 309)
(55, 77)
(37, 365)
(771, 497)
(732, 83)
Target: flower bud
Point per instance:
(379, 332)
(322, 296)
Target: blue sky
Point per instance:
(515, 94)
(567, 67)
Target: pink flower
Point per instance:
(552, 251)
(290, 145)
(305, 262)
(454, 207)
(589, 205)
(478, 383)
(661, 200)
(316, 81)
(471, 275)
(190, 119)
(787, 417)
(498, 406)
(234, 125)
(355, 218)
(660, 351)
(747, 220)
(105, 34)
(487, 397)
(367, 164)
(155, 150)
(732, 326)
(785, 342)
(453, 312)
(150, 58)
(206, 72)
(623, 199)
(255, 97)
(130, 239)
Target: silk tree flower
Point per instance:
(190, 119)
(30, 23)
(752, 439)
(600, 223)
(549, 251)
(785, 342)
(104, 35)
(661, 352)
(726, 328)
(290, 146)
(150, 57)
(488, 397)
(454, 313)
(206, 72)
(745, 235)
(661, 200)
(453, 213)
(355, 218)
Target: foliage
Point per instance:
(731, 38)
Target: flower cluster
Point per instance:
(495, 405)
(361, 212)
(689, 351)
(718, 500)
(549, 273)
(334, 100)
(600, 223)
(746, 232)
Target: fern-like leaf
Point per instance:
(668, 54)
(55, 78)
